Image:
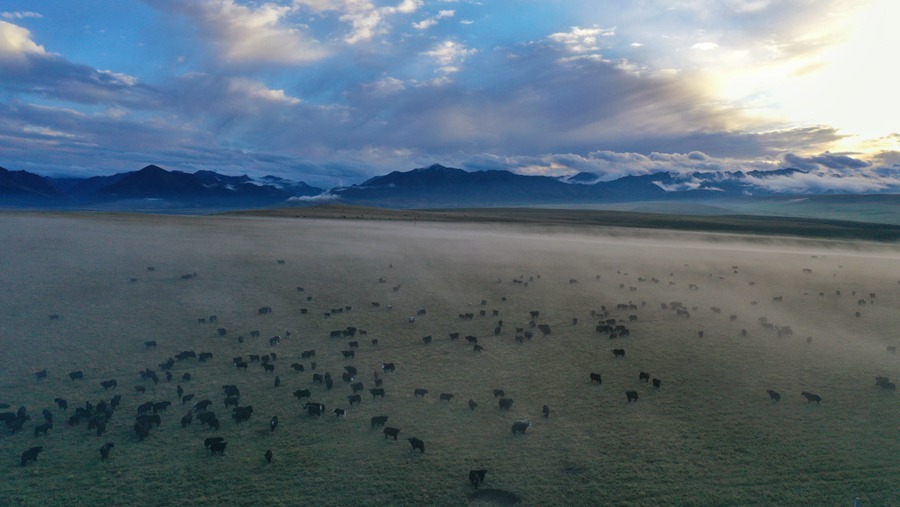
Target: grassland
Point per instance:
(709, 436)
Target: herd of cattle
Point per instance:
(151, 414)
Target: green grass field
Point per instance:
(709, 436)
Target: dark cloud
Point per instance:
(829, 160)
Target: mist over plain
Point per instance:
(709, 435)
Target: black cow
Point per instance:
(618, 352)
(149, 420)
(339, 412)
(40, 375)
(150, 344)
(472, 339)
(811, 397)
(212, 440)
(476, 477)
(187, 419)
(631, 396)
(426, 339)
(358, 386)
(104, 449)
(774, 395)
(273, 423)
(546, 411)
(61, 403)
(348, 354)
(187, 398)
(391, 432)
(48, 416)
(354, 398)
(446, 397)
(268, 456)
(377, 391)
(297, 366)
(75, 375)
(657, 383)
(161, 406)
(265, 310)
(202, 404)
(644, 376)
(520, 426)
(388, 367)
(378, 420)
(318, 378)
(218, 447)
(314, 409)
(140, 389)
(31, 454)
(420, 392)
(454, 336)
(302, 393)
(595, 377)
(204, 356)
(307, 354)
(241, 414)
(231, 390)
(42, 428)
(499, 393)
(506, 403)
(417, 444)
(268, 367)
(472, 405)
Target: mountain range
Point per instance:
(436, 186)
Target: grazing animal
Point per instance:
(187, 398)
(472, 405)
(104, 449)
(391, 432)
(42, 428)
(356, 387)
(302, 393)
(212, 440)
(378, 420)
(354, 398)
(268, 456)
(150, 344)
(297, 366)
(339, 412)
(388, 367)
(273, 423)
(546, 411)
(506, 403)
(40, 375)
(218, 447)
(774, 395)
(476, 477)
(348, 354)
(499, 393)
(657, 383)
(420, 392)
(61, 403)
(241, 414)
(811, 397)
(318, 378)
(426, 339)
(632, 396)
(314, 409)
(417, 444)
(377, 391)
(618, 352)
(520, 426)
(75, 375)
(31, 454)
(446, 397)
(187, 419)
(595, 377)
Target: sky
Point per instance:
(333, 92)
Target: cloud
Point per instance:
(582, 40)
(255, 89)
(366, 19)
(449, 55)
(248, 34)
(16, 43)
(433, 20)
(20, 15)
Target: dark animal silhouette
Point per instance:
(811, 397)
(354, 398)
(391, 432)
(657, 383)
(546, 411)
(476, 477)
(446, 397)
(268, 456)
(273, 423)
(377, 391)
(505, 403)
(499, 393)
(632, 396)
(420, 392)
(520, 427)
(618, 352)
(644, 376)
(417, 444)
(595, 377)
(75, 375)
(378, 420)
(472, 405)
(104, 449)
(31, 454)
(774, 395)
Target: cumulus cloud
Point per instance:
(582, 40)
(433, 20)
(249, 34)
(16, 42)
(258, 90)
(367, 20)
(449, 55)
